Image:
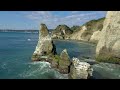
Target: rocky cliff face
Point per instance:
(108, 48)
(79, 34)
(95, 37)
(86, 31)
(45, 44)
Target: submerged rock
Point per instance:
(45, 44)
(80, 70)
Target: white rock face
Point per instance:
(80, 70)
(45, 44)
(110, 34)
(95, 37)
(77, 35)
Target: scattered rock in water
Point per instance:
(80, 70)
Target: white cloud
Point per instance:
(74, 18)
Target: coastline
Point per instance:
(76, 41)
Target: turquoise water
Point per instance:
(15, 58)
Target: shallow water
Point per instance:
(15, 58)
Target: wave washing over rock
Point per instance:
(41, 70)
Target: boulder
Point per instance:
(80, 70)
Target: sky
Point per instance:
(33, 19)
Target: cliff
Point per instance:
(86, 31)
(108, 47)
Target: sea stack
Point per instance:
(45, 45)
(108, 47)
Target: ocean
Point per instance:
(16, 49)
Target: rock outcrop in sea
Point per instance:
(108, 47)
(46, 51)
(45, 45)
(80, 70)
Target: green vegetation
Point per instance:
(60, 28)
(95, 24)
(35, 57)
(57, 58)
(107, 56)
(75, 28)
(108, 59)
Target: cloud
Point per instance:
(73, 18)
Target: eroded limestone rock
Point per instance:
(45, 44)
(109, 43)
(80, 70)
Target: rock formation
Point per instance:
(95, 37)
(64, 62)
(46, 51)
(86, 31)
(45, 44)
(80, 70)
(108, 48)
(61, 32)
(78, 35)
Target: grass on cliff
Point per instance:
(108, 59)
(107, 56)
(95, 24)
(56, 58)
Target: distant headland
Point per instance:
(18, 30)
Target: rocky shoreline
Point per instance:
(102, 33)
(46, 51)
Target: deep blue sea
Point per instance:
(16, 49)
